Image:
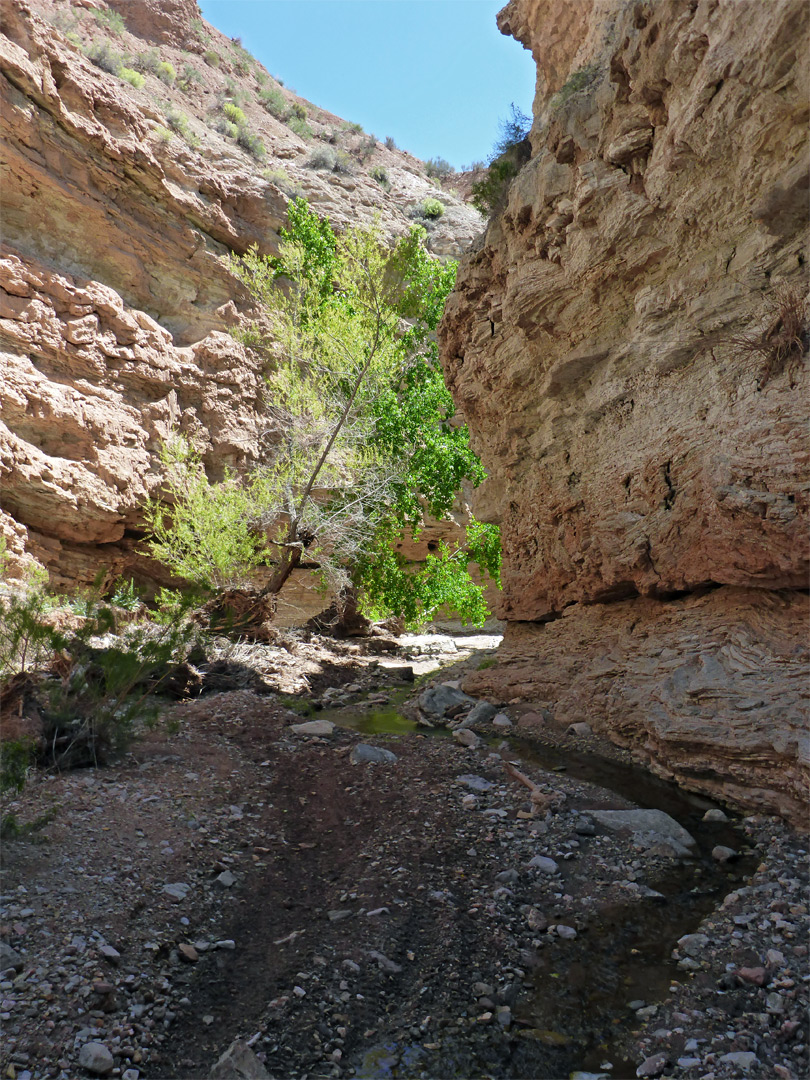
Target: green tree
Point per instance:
(367, 441)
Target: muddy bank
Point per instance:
(404, 918)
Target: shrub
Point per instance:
(261, 78)
(438, 167)
(234, 113)
(274, 101)
(188, 76)
(125, 595)
(784, 336)
(225, 127)
(178, 122)
(199, 31)
(322, 157)
(100, 54)
(162, 134)
(251, 142)
(133, 77)
(390, 144)
(380, 174)
(282, 180)
(148, 61)
(300, 127)
(343, 163)
(429, 208)
(299, 110)
(113, 20)
(165, 72)
(579, 81)
(511, 152)
(211, 58)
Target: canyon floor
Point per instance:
(231, 879)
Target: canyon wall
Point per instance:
(118, 201)
(628, 345)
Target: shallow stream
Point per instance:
(577, 1000)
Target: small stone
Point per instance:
(507, 877)
(635, 1005)
(363, 754)
(723, 854)
(503, 1014)
(96, 1058)
(584, 827)
(756, 975)
(225, 880)
(688, 1062)
(313, 727)
(715, 814)
(581, 729)
(536, 920)
(652, 1066)
(474, 783)
(544, 864)
(10, 958)
(178, 890)
(567, 933)
(338, 914)
(469, 802)
(466, 738)
(693, 944)
(130, 1074)
(299, 991)
(743, 1059)
(226, 943)
(239, 1063)
(502, 721)
(188, 953)
(775, 958)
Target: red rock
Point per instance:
(758, 975)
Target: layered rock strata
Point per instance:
(617, 345)
(118, 201)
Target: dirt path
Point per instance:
(238, 880)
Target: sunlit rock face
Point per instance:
(614, 343)
(114, 300)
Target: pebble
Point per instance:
(96, 1058)
(225, 880)
(715, 814)
(568, 933)
(742, 1059)
(501, 720)
(723, 854)
(652, 1066)
(363, 754)
(466, 738)
(313, 727)
(178, 890)
(544, 864)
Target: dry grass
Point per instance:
(782, 339)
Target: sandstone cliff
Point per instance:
(614, 343)
(117, 202)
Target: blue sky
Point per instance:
(436, 75)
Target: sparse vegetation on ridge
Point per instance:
(510, 152)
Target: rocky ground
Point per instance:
(344, 912)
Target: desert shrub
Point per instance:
(243, 60)
(162, 134)
(112, 20)
(225, 127)
(579, 81)
(199, 31)
(100, 54)
(261, 78)
(178, 122)
(284, 182)
(438, 167)
(511, 151)
(233, 113)
(380, 174)
(133, 77)
(322, 157)
(300, 127)
(390, 144)
(343, 163)
(429, 208)
(165, 72)
(783, 336)
(356, 128)
(188, 77)
(211, 58)
(275, 103)
(251, 142)
(299, 110)
(148, 61)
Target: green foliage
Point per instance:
(390, 143)
(148, 61)
(284, 182)
(16, 757)
(100, 54)
(380, 174)
(579, 81)
(178, 122)
(251, 142)
(300, 127)
(126, 595)
(511, 151)
(188, 77)
(212, 58)
(275, 103)
(225, 127)
(438, 167)
(112, 20)
(299, 110)
(356, 128)
(133, 77)
(234, 113)
(162, 134)
(322, 157)
(429, 208)
(165, 72)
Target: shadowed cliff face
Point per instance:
(114, 301)
(604, 345)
